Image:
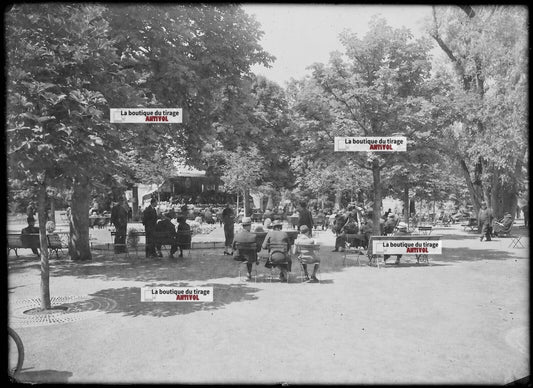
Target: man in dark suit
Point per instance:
(31, 234)
(119, 218)
(150, 222)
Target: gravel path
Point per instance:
(462, 319)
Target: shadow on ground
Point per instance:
(42, 376)
(128, 299)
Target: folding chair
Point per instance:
(249, 252)
(54, 244)
(273, 248)
(352, 247)
(303, 251)
(125, 245)
(516, 239)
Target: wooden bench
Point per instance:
(425, 230)
(19, 241)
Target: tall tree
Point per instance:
(487, 47)
(379, 90)
(67, 64)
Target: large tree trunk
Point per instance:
(246, 202)
(79, 247)
(376, 174)
(45, 265)
(475, 191)
(406, 203)
(504, 198)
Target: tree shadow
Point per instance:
(199, 265)
(464, 254)
(128, 299)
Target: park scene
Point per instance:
(267, 194)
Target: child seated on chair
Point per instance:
(308, 257)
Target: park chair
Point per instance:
(247, 251)
(125, 245)
(352, 247)
(184, 240)
(54, 244)
(283, 248)
(425, 230)
(303, 252)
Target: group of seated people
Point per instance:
(178, 235)
(278, 245)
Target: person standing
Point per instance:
(484, 220)
(150, 222)
(525, 211)
(305, 217)
(119, 218)
(228, 217)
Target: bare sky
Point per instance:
(299, 35)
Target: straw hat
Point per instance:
(246, 221)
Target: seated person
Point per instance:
(278, 258)
(402, 231)
(366, 229)
(183, 239)
(245, 236)
(30, 229)
(390, 224)
(503, 226)
(349, 227)
(308, 257)
(165, 231)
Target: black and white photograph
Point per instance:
(267, 193)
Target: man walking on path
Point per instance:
(305, 217)
(484, 220)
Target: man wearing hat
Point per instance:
(503, 226)
(245, 236)
(484, 220)
(166, 231)
(277, 236)
(119, 218)
(402, 231)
